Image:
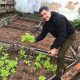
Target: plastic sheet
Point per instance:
(28, 6)
(31, 6)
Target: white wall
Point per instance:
(33, 5)
(27, 5)
(70, 14)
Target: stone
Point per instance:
(70, 5)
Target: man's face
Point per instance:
(45, 15)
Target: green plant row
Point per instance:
(7, 66)
(41, 61)
(44, 61)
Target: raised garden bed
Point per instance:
(15, 29)
(27, 67)
(12, 33)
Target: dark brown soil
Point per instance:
(13, 32)
(24, 72)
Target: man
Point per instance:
(59, 27)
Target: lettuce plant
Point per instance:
(37, 65)
(42, 77)
(7, 66)
(22, 53)
(27, 62)
(28, 37)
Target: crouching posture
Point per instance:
(64, 32)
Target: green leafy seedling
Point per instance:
(22, 53)
(42, 77)
(28, 37)
(2, 49)
(37, 65)
(28, 62)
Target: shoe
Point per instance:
(56, 78)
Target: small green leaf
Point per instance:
(37, 65)
(42, 77)
(1, 63)
(4, 73)
(27, 62)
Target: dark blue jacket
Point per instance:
(59, 27)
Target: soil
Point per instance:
(12, 33)
(77, 77)
(25, 72)
(14, 30)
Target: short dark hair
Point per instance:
(43, 8)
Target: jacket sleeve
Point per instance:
(61, 33)
(42, 34)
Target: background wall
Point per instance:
(70, 8)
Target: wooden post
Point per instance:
(70, 74)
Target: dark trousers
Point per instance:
(61, 54)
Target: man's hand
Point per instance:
(53, 52)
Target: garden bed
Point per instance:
(12, 33)
(27, 71)
(15, 29)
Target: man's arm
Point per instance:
(42, 34)
(61, 36)
(61, 33)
